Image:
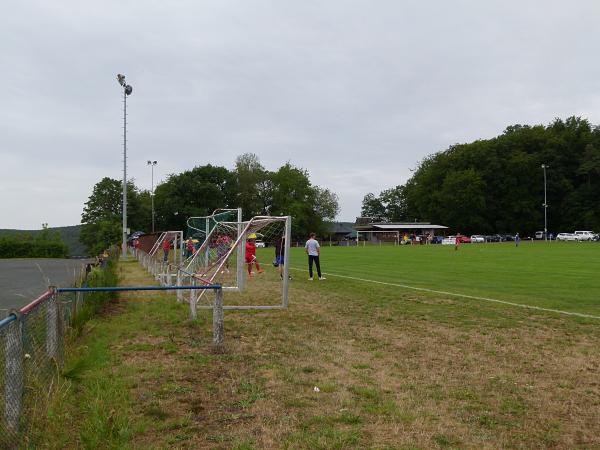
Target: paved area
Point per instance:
(23, 280)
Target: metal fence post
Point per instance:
(218, 322)
(193, 311)
(179, 291)
(286, 261)
(13, 372)
(169, 276)
(52, 328)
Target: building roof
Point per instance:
(340, 227)
(408, 226)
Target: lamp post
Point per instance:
(126, 91)
(152, 164)
(545, 205)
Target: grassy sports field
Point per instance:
(350, 364)
(562, 276)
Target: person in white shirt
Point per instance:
(313, 250)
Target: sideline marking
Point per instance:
(454, 294)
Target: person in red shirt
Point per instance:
(251, 256)
(166, 246)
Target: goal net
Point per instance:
(175, 239)
(250, 258)
(199, 227)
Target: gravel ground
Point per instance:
(23, 280)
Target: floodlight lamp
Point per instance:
(128, 89)
(121, 79)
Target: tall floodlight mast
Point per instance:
(545, 205)
(126, 92)
(152, 164)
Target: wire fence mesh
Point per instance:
(32, 351)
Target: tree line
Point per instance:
(497, 185)
(42, 244)
(201, 190)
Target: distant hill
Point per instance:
(70, 236)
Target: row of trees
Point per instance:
(201, 190)
(43, 244)
(497, 185)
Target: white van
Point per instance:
(539, 235)
(584, 235)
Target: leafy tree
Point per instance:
(102, 214)
(496, 185)
(196, 192)
(462, 193)
(326, 204)
(43, 244)
(105, 203)
(372, 207)
(293, 194)
(252, 186)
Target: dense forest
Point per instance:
(497, 185)
(201, 190)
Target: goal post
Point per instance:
(177, 238)
(222, 259)
(373, 237)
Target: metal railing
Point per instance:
(32, 350)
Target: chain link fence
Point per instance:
(32, 349)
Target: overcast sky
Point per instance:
(356, 92)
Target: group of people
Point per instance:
(223, 244)
(311, 248)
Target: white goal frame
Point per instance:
(239, 246)
(178, 237)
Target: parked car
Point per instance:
(477, 239)
(259, 244)
(437, 239)
(463, 239)
(509, 237)
(585, 235)
(539, 235)
(566, 237)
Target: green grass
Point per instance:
(561, 276)
(395, 368)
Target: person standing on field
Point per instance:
(517, 239)
(251, 255)
(166, 245)
(280, 254)
(189, 245)
(313, 250)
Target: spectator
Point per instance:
(313, 250)
(166, 246)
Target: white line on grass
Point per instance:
(454, 294)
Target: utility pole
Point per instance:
(152, 164)
(544, 167)
(126, 91)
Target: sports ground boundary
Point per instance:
(455, 294)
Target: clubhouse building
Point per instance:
(371, 230)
